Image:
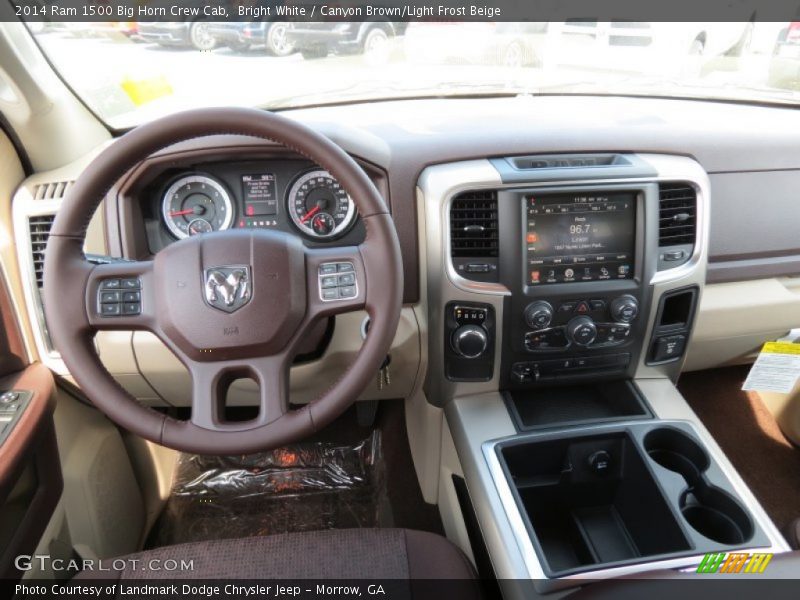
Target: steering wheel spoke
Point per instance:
(119, 296)
(211, 381)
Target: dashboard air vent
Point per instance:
(677, 223)
(39, 227)
(473, 224)
(52, 190)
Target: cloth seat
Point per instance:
(375, 554)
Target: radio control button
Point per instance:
(624, 309)
(597, 305)
(566, 308)
(539, 315)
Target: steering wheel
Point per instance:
(229, 304)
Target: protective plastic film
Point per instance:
(302, 487)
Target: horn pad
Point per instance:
(231, 294)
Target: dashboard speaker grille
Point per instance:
(473, 224)
(677, 222)
(39, 227)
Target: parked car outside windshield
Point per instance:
(167, 67)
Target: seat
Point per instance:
(375, 554)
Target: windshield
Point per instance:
(140, 71)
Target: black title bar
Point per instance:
(397, 10)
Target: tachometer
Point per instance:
(319, 206)
(196, 204)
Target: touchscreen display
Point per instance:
(260, 196)
(577, 236)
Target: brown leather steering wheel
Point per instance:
(274, 282)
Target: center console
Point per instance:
(562, 292)
(575, 303)
(575, 268)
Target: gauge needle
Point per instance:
(178, 213)
(310, 214)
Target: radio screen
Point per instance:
(579, 237)
(260, 196)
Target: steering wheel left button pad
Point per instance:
(119, 297)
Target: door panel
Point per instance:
(30, 472)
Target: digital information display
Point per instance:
(573, 237)
(260, 195)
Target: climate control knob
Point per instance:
(582, 331)
(624, 309)
(470, 341)
(539, 314)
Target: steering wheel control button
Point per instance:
(114, 299)
(9, 397)
(329, 281)
(131, 283)
(347, 279)
(327, 269)
(131, 308)
(110, 297)
(337, 281)
(110, 310)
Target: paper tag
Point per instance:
(776, 369)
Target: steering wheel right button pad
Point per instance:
(337, 281)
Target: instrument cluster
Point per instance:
(285, 195)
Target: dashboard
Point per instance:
(273, 194)
(573, 186)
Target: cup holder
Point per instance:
(709, 510)
(677, 452)
(717, 516)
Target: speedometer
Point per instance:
(196, 204)
(319, 206)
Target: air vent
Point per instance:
(52, 190)
(677, 222)
(473, 225)
(39, 227)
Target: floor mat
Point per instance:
(303, 487)
(749, 436)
